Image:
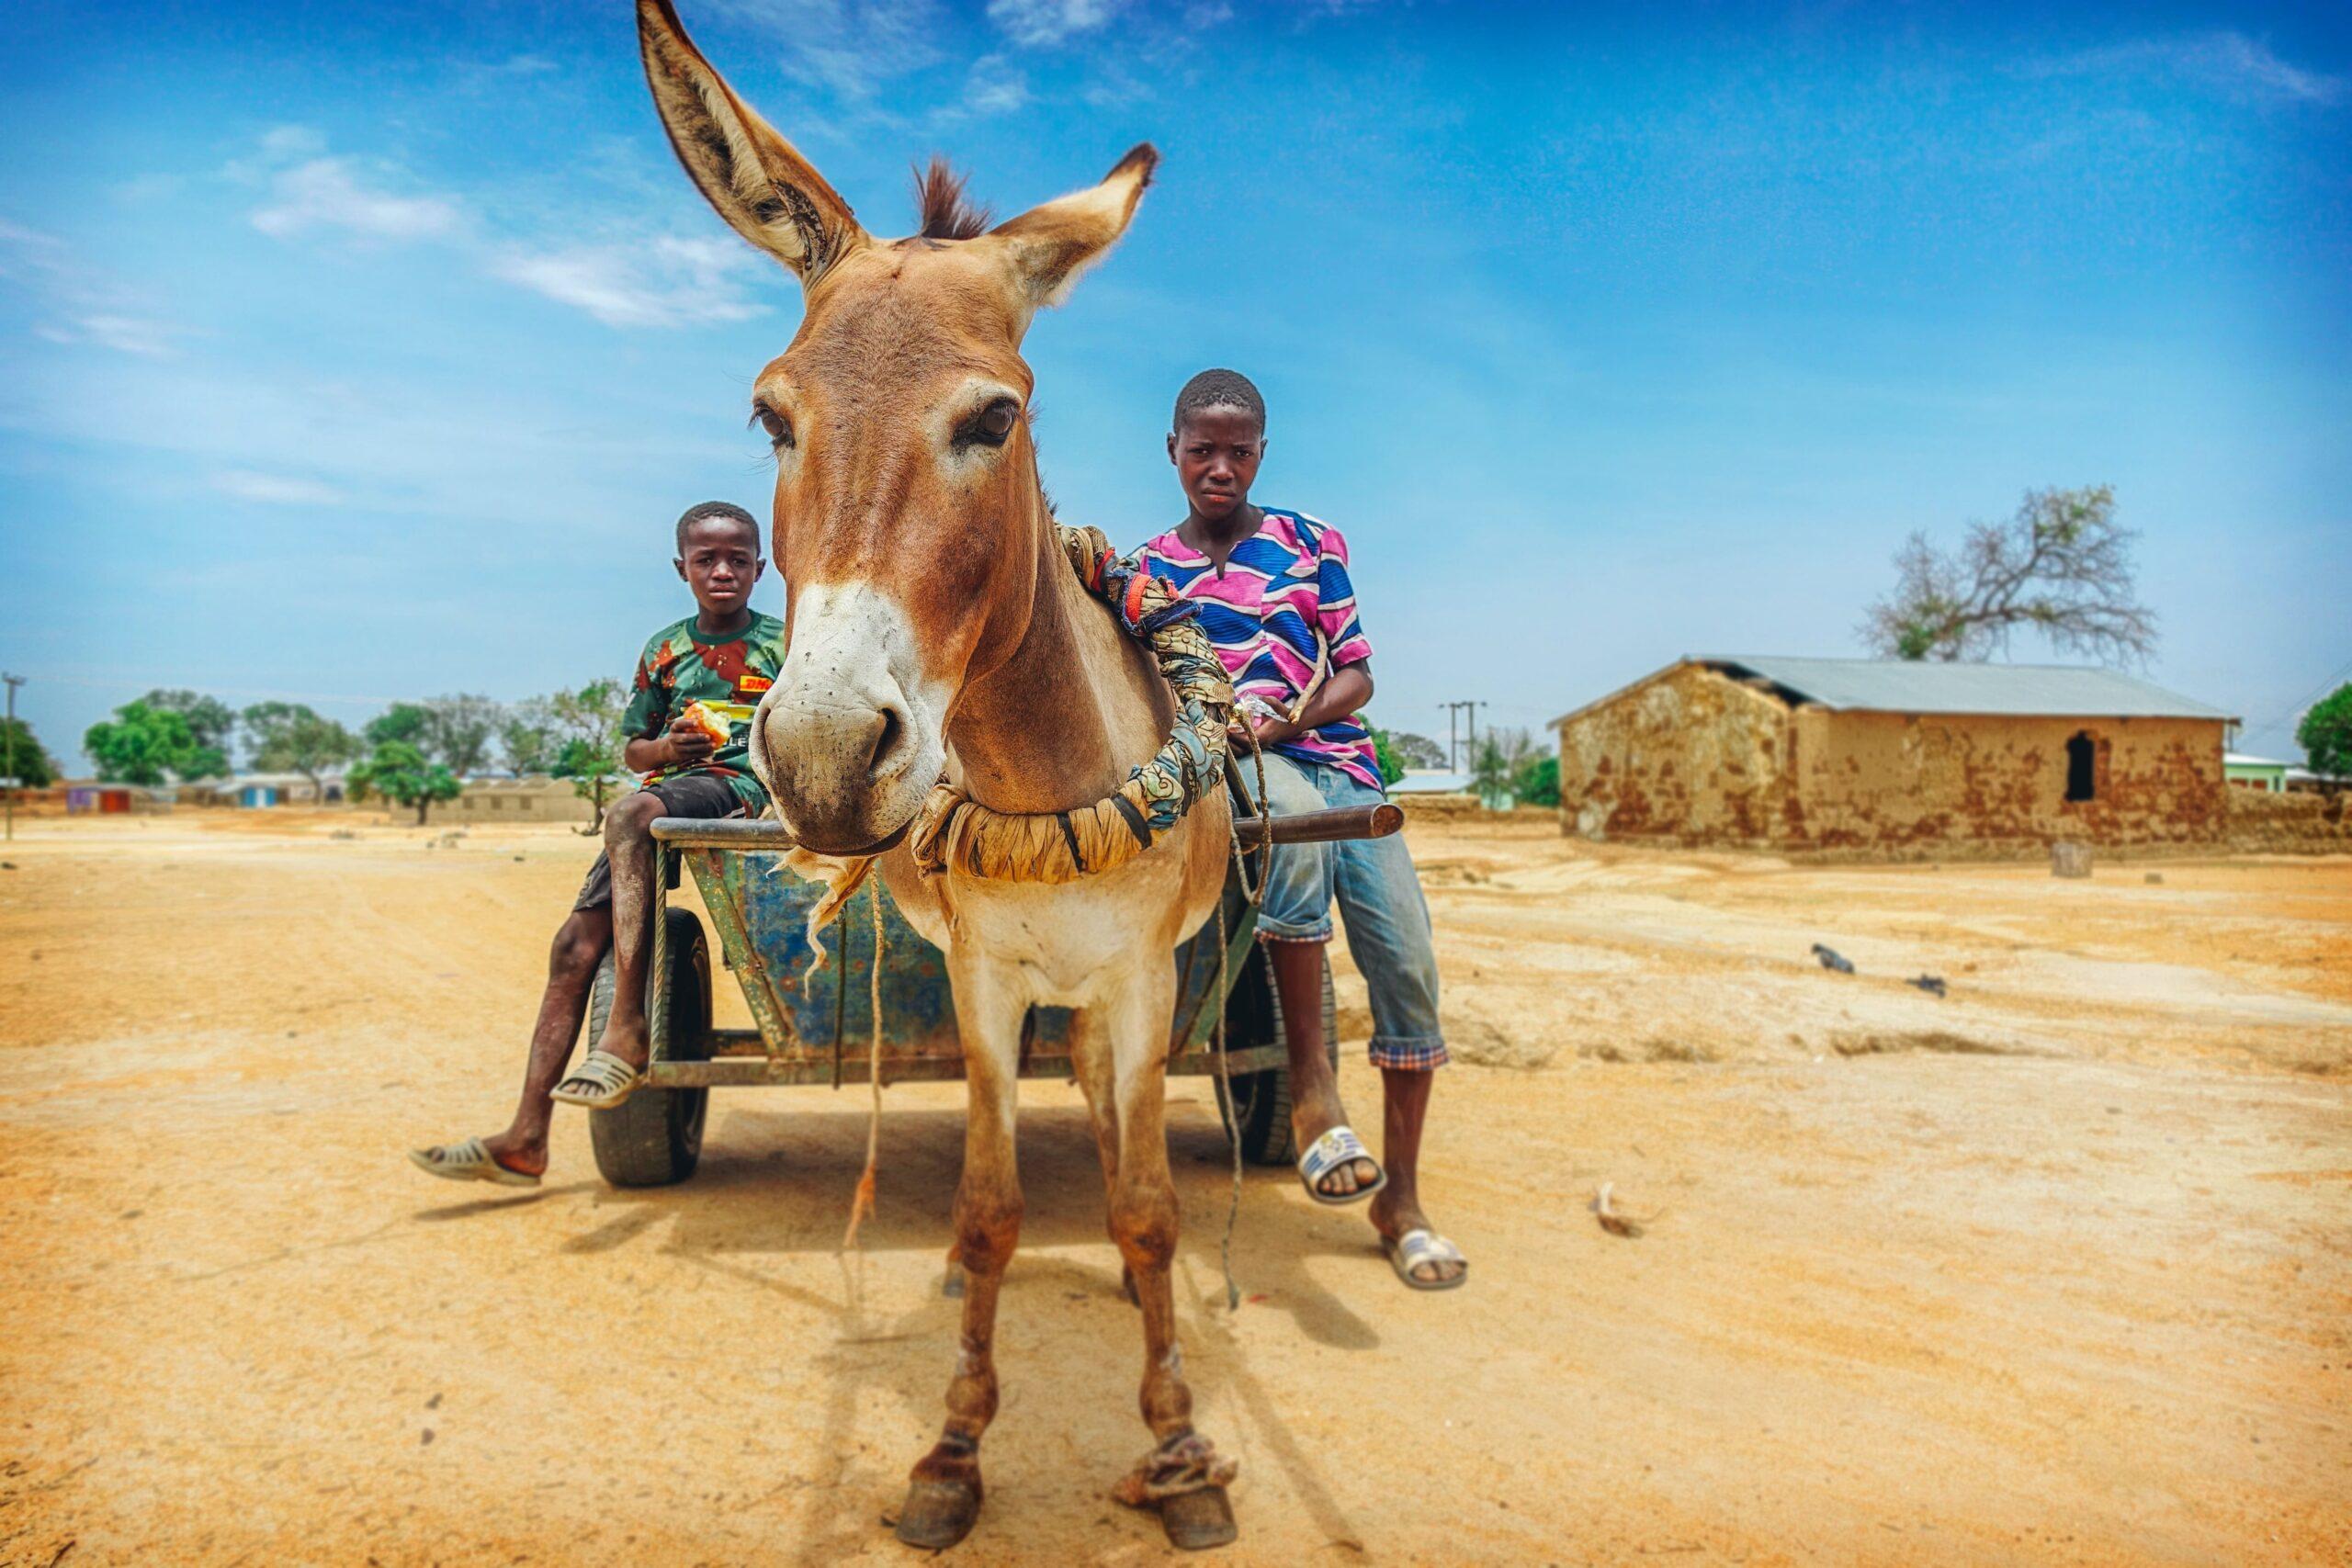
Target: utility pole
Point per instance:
(9, 769)
(1453, 745)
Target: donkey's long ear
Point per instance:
(1048, 246)
(755, 179)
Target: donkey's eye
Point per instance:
(991, 426)
(779, 428)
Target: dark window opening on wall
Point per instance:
(2082, 772)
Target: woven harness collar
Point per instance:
(955, 832)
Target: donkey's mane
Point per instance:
(939, 197)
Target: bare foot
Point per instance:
(525, 1156)
(629, 1039)
(1394, 1213)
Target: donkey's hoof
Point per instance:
(1197, 1520)
(938, 1513)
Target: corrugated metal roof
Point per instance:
(1875, 685)
(1430, 781)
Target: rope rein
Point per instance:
(862, 1204)
(954, 831)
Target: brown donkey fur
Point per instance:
(934, 630)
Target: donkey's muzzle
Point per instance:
(843, 766)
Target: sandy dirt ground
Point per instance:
(2056, 1270)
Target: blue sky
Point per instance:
(364, 352)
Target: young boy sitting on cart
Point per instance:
(1277, 603)
(697, 680)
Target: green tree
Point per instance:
(529, 734)
(1392, 766)
(21, 756)
(2325, 734)
(145, 745)
(2062, 566)
(460, 730)
(1415, 751)
(400, 772)
(210, 719)
(1495, 766)
(401, 721)
(1537, 783)
(290, 735)
(588, 731)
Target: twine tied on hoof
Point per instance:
(1189, 1463)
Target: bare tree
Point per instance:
(2061, 567)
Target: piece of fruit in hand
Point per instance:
(710, 723)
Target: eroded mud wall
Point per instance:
(1691, 757)
(1888, 781)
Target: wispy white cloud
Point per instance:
(75, 301)
(1034, 24)
(623, 280)
(276, 490)
(670, 281)
(332, 193)
(994, 86)
(849, 48)
(124, 335)
(2225, 61)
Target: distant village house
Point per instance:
(1891, 756)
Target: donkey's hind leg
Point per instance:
(943, 1495)
(1182, 1474)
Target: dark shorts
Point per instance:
(690, 795)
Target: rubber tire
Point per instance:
(1261, 1101)
(654, 1137)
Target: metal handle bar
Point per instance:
(1300, 827)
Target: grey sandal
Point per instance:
(600, 1081)
(468, 1161)
(1327, 1153)
(1418, 1249)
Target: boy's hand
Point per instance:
(1270, 731)
(687, 742)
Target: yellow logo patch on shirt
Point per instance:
(752, 685)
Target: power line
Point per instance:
(8, 768)
(1452, 740)
(2299, 709)
(208, 688)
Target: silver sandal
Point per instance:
(468, 1161)
(1417, 1249)
(1327, 1154)
(600, 1081)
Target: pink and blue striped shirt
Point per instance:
(1282, 606)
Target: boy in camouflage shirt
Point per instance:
(722, 656)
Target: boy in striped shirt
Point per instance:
(1277, 602)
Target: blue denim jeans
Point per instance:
(1379, 898)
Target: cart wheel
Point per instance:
(1261, 1101)
(654, 1137)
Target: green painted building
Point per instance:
(2255, 772)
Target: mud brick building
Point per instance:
(1893, 758)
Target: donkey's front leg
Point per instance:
(1182, 1475)
(944, 1497)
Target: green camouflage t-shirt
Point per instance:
(682, 665)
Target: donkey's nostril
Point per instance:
(888, 736)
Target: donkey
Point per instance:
(934, 629)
